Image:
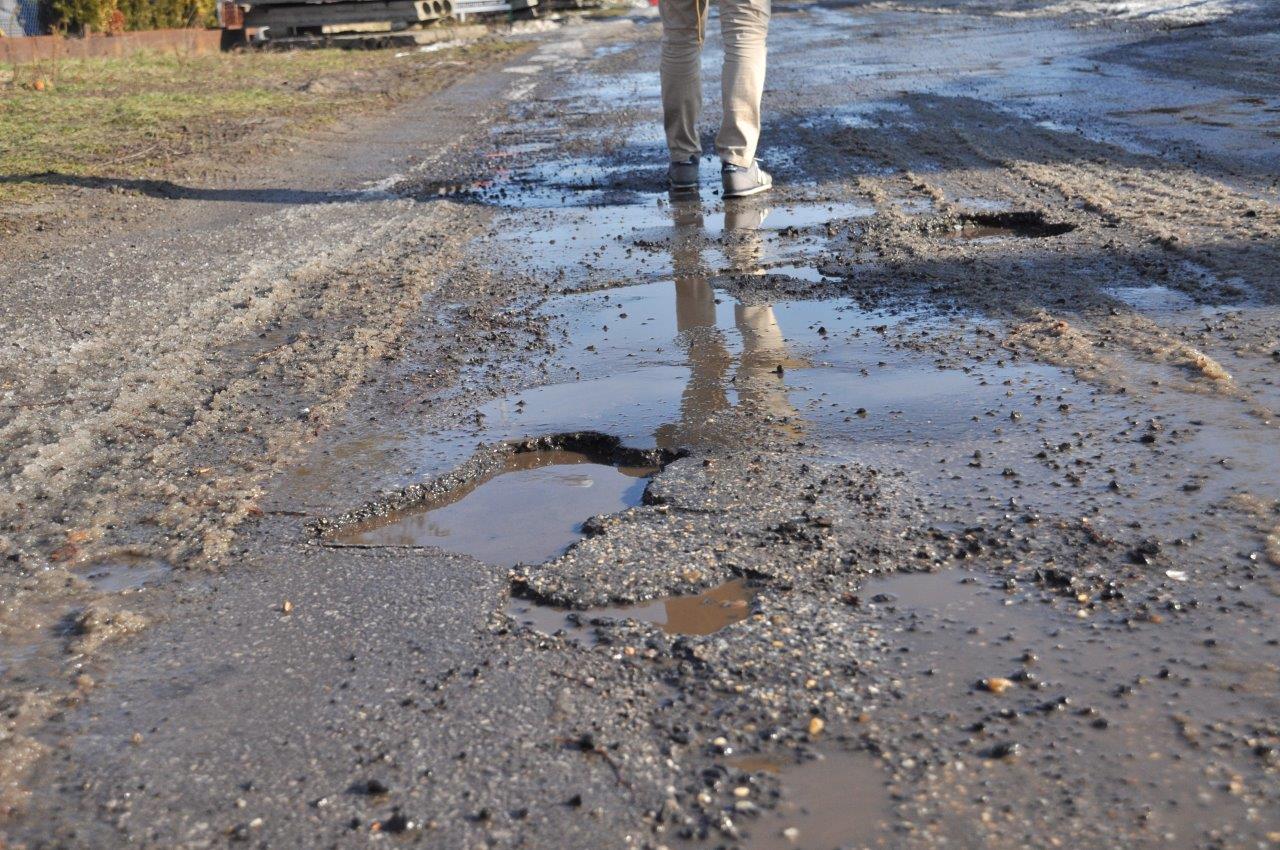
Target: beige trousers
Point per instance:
(743, 27)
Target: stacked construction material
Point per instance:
(463, 8)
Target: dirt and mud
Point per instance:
(498, 498)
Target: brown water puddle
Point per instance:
(528, 512)
(840, 799)
(692, 614)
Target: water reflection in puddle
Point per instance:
(529, 512)
(678, 357)
(670, 361)
(691, 614)
(800, 272)
(576, 223)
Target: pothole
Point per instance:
(690, 614)
(838, 799)
(799, 272)
(527, 507)
(1004, 225)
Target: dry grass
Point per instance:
(132, 116)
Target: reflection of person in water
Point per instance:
(758, 379)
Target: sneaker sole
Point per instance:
(683, 186)
(749, 192)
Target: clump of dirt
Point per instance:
(1056, 341)
(98, 624)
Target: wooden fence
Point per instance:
(33, 48)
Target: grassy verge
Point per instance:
(149, 112)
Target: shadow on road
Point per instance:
(168, 190)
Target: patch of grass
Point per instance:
(136, 115)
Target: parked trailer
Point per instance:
(290, 19)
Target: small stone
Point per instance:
(1004, 750)
(996, 684)
(374, 787)
(816, 725)
(286, 607)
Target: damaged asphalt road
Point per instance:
(963, 441)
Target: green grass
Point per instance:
(134, 116)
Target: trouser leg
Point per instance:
(744, 24)
(683, 27)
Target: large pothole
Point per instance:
(524, 504)
(1019, 224)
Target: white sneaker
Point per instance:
(739, 181)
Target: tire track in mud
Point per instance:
(191, 400)
(195, 432)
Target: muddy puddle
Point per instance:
(1026, 686)
(678, 363)
(800, 272)
(691, 614)
(667, 363)
(836, 799)
(529, 511)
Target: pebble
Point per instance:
(996, 684)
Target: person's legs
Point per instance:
(683, 27)
(744, 24)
